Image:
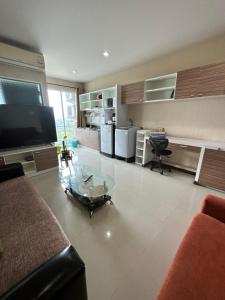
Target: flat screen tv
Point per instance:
(26, 125)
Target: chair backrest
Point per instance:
(158, 145)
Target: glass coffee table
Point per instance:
(89, 186)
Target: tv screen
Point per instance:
(26, 125)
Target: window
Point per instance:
(20, 92)
(64, 105)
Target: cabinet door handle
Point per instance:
(37, 152)
(200, 94)
(183, 146)
(192, 95)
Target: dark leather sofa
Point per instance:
(61, 276)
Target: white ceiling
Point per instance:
(72, 34)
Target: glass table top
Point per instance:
(87, 181)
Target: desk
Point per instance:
(197, 143)
(210, 169)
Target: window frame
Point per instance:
(64, 89)
(27, 81)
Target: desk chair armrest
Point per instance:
(214, 206)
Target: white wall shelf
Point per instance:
(108, 101)
(139, 141)
(84, 97)
(160, 88)
(90, 100)
(160, 100)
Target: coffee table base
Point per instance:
(90, 204)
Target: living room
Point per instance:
(112, 150)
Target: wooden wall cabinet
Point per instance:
(201, 81)
(212, 172)
(45, 159)
(187, 83)
(133, 93)
(212, 80)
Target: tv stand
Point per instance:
(35, 160)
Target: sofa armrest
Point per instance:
(11, 171)
(62, 277)
(214, 206)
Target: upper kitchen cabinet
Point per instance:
(212, 80)
(160, 88)
(133, 93)
(201, 82)
(187, 83)
(103, 106)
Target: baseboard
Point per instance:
(107, 154)
(126, 159)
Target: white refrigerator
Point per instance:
(107, 139)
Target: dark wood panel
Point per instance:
(133, 93)
(182, 147)
(187, 83)
(88, 137)
(212, 80)
(201, 81)
(212, 172)
(46, 159)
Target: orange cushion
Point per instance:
(214, 206)
(198, 270)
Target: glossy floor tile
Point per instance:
(127, 247)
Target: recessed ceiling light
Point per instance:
(108, 234)
(74, 71)
(106, 53)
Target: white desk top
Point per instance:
(196, 142)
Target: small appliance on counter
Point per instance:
(125, 143)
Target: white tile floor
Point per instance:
(128, 247)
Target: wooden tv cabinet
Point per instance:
(41, 158)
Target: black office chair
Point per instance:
(159, 149)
